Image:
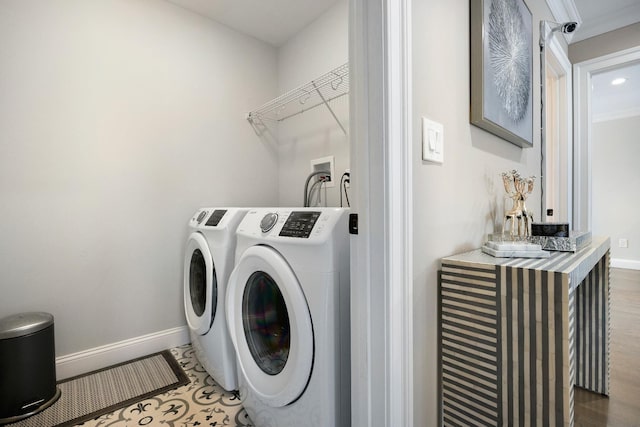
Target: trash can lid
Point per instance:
(24, 324)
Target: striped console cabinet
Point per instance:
(517, 334)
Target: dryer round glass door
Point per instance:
(200, 285)
(270, 326)
(198, 282)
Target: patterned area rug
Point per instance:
(201, 403)
(96, 393)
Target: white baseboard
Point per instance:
(625, 263)
(110, 354)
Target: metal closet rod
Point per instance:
(327, 87)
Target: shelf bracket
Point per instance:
(328, 107)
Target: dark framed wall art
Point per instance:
(502, 69)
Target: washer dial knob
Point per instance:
(268, 221)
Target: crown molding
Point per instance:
(616, 115)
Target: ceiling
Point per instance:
(610, 102)
(273, 21)
(601, 16)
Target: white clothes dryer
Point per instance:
(208, 262)
(288, 316)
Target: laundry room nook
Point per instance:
(319, 213)
(136, 137)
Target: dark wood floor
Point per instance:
(622, 408)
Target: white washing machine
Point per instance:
(288, 316)
(208, 262)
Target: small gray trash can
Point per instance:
(27, 365)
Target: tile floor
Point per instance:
(201, 403)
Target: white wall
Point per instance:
(616, 180)
(458, 203)
(117, 120)
(319, 48)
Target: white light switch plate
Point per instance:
(432, 141)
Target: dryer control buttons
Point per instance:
(300, 224)
(268, 221)
(215, 218)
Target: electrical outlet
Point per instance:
(623, 243)
(324, 164)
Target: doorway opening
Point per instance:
(556, 168)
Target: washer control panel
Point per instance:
(299, 224)
(294, 225)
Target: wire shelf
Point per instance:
(320, 91)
